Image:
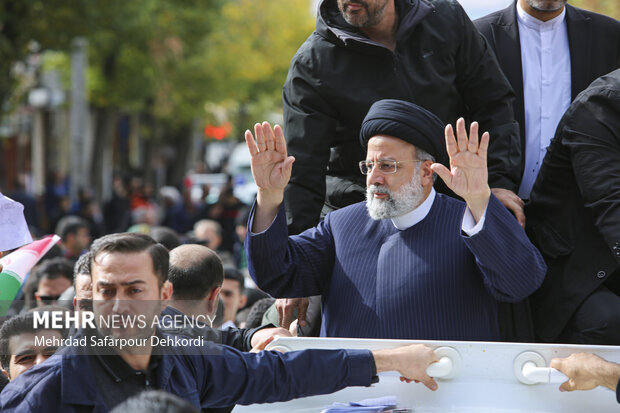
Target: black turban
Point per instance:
(409, 122)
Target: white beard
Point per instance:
(405, 200)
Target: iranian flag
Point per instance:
(17, 266)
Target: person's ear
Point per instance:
(426, 173)
(212, 300)
(166, 291)
(243, 300)
(6, 373)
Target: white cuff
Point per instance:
(265, 230)
(469, 225)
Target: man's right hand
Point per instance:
(410, 361)
(271, 169)
(286, 308)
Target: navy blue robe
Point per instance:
(429, 281)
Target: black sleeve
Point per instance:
(247, 334)
(618, 392)
(489, 99)
(240, 338)
(591, 132)
(310, 128)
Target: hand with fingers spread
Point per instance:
(468, 176)
(271, 169)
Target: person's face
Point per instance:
(125, 286)
(25, 354)
(82, 238)
(83, 292)
(546, 5)
(231, 298)
(79, 241)
(49, 290)
(209, 233)
(362, 13)
(390, 195)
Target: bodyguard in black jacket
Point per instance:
(574, 219)
(439, 61)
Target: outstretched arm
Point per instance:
(300, 373)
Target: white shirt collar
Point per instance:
(534, 23)
(411, 218)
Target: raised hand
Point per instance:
(271, 169)
(271, 165)
(468, 176)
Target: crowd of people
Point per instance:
(435, 179)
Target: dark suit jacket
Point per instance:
(426, 282)
(593, 40)
(574, 213)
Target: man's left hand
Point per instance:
(261, 338)
(468, 176)
(511, 201)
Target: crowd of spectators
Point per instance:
(196, 243)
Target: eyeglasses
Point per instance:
(49, 298)
(386, 166)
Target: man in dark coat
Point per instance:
(589, 42)
(409, 263)
(574, 219)
(425, 52)
(102, 366)
(559, 50)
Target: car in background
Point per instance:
(238, 167)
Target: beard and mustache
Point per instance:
(399, 202)
(373, 13)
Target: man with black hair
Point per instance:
(74, 234)
(129, 275)
(48, 281)
(19, 350)
(233, 295)
(166, 237)
(82, 284)
(255, 316)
